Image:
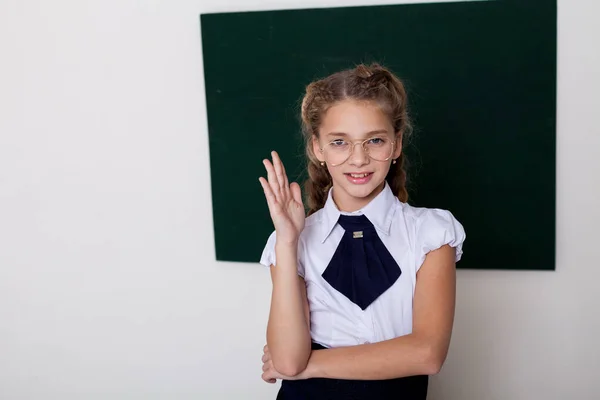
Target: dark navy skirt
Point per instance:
(409, 388)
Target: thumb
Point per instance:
(296, 192)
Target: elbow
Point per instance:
(289, 367)
(433, 367)
(291, 362)
(433, 361)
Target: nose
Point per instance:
(359, 156)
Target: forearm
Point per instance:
(400, 357)
(420, 353)
(288, 335)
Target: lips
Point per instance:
(359, 178)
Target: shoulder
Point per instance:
(432, 228)
(311, 229)
(426, 218)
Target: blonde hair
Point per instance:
(363, 83)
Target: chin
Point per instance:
(360, 192)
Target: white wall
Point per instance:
(108, 284)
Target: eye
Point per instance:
(337, 143)
(377, 141)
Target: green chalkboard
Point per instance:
(481, 78)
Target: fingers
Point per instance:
(296, 192)
(280, 173)
(268, 370)
(271, 199)
(276, 187)
(266, 357)
(269, 374)
(277, 177)
(266, 376)
(272, 178)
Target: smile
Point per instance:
(361, 178)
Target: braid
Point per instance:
(396, 178)
(317, 187)
(319, 181)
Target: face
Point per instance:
(358, 179)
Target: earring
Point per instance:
(322, 164)
(394, 161)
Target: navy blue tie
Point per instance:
(362, 268)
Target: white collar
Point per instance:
(379, 211)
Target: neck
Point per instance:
(346, 203)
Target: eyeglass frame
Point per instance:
(362, 144)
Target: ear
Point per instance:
(398, 145)
(317, 149)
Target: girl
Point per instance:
(364, 287)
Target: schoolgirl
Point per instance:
(363, 293)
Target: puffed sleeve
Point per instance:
(268, 255)
(435, 229)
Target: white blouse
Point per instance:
(408, 232)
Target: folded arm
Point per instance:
(420, 353)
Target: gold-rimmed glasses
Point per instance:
(338, 151)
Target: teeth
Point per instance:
(358, 175)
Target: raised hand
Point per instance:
(284, 200)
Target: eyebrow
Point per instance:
(343, 134)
